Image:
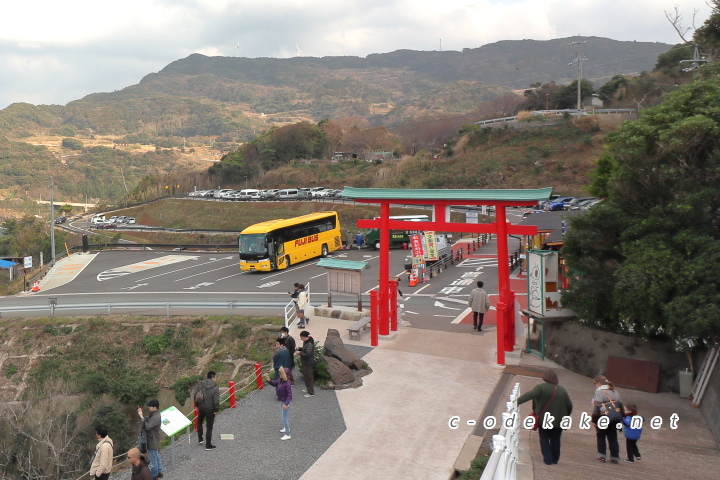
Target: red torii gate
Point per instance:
(441, 200)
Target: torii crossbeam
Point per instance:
(441, 200)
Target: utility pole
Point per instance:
(579, 58)
(52, 224)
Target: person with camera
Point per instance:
(307, 359)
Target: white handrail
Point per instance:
(502, 464)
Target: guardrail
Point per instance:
(561, 112)
(502, 464)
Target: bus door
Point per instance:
(272, 252)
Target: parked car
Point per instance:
(130, 220)
(272, 193)
(583, 203)
(575, 201)
(541, 203)
(557, 204)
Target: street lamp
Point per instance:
(245, 182)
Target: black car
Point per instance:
(60, 220)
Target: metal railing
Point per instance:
(502, 464)
(290, 312)
(248, 384)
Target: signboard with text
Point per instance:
(173, 420)
(27, 262)
(431, 244)
(416, 244)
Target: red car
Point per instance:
(106, 226)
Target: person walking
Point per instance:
(549, 398)
(140, 470)
(302, 304)
(479, 304)
(207, 401)
(307, 359)
(632, 435)
(605, 400)
(290, 346)
(102, 461)
(152, 427)
(283, 390)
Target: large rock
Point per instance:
(339, 373)
(334, 347)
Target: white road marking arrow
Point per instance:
(441, 305)
(204, 284)
(268, 284)
(135, 286)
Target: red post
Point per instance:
(258, 376)
(393, 305)
(504, 309)
(196, 415)
(374, 326)
(384, 270)
(231, 391)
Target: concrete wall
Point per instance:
(585, 351)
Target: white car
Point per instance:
(130, 220)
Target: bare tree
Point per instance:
(676, 20)
(42, 436)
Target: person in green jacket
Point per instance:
(549, 398)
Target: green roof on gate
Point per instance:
(447, 194)
(342, 264)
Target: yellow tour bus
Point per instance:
(277, 244)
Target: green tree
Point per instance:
(72, 143)
(643, 260)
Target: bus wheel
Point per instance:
(287, 261)
(324, 252)
(377, 245)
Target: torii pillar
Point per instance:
(441, 200)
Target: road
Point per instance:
(116, 277)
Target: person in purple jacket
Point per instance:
(283, 389)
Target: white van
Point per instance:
(98, 218)
(244, 194)
(288, 194)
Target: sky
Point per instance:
(54, 52)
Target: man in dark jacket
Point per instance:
(152, 426)
(140, 470)
(307, 357)
(549, 397)
(281, 357)
(290, 345)
(207, 407)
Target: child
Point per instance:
(632, 435)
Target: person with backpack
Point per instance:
(207, 400)
(607, 402)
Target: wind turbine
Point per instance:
(298, 50)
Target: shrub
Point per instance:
(182, 387)
(155, 344)
(12, 369)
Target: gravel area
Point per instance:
(257, 452)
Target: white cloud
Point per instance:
(54, 52)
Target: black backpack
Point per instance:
(200, 396)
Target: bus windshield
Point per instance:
(252, 245)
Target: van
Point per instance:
(288, 194)
(98, 218)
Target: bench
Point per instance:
(355, 328)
